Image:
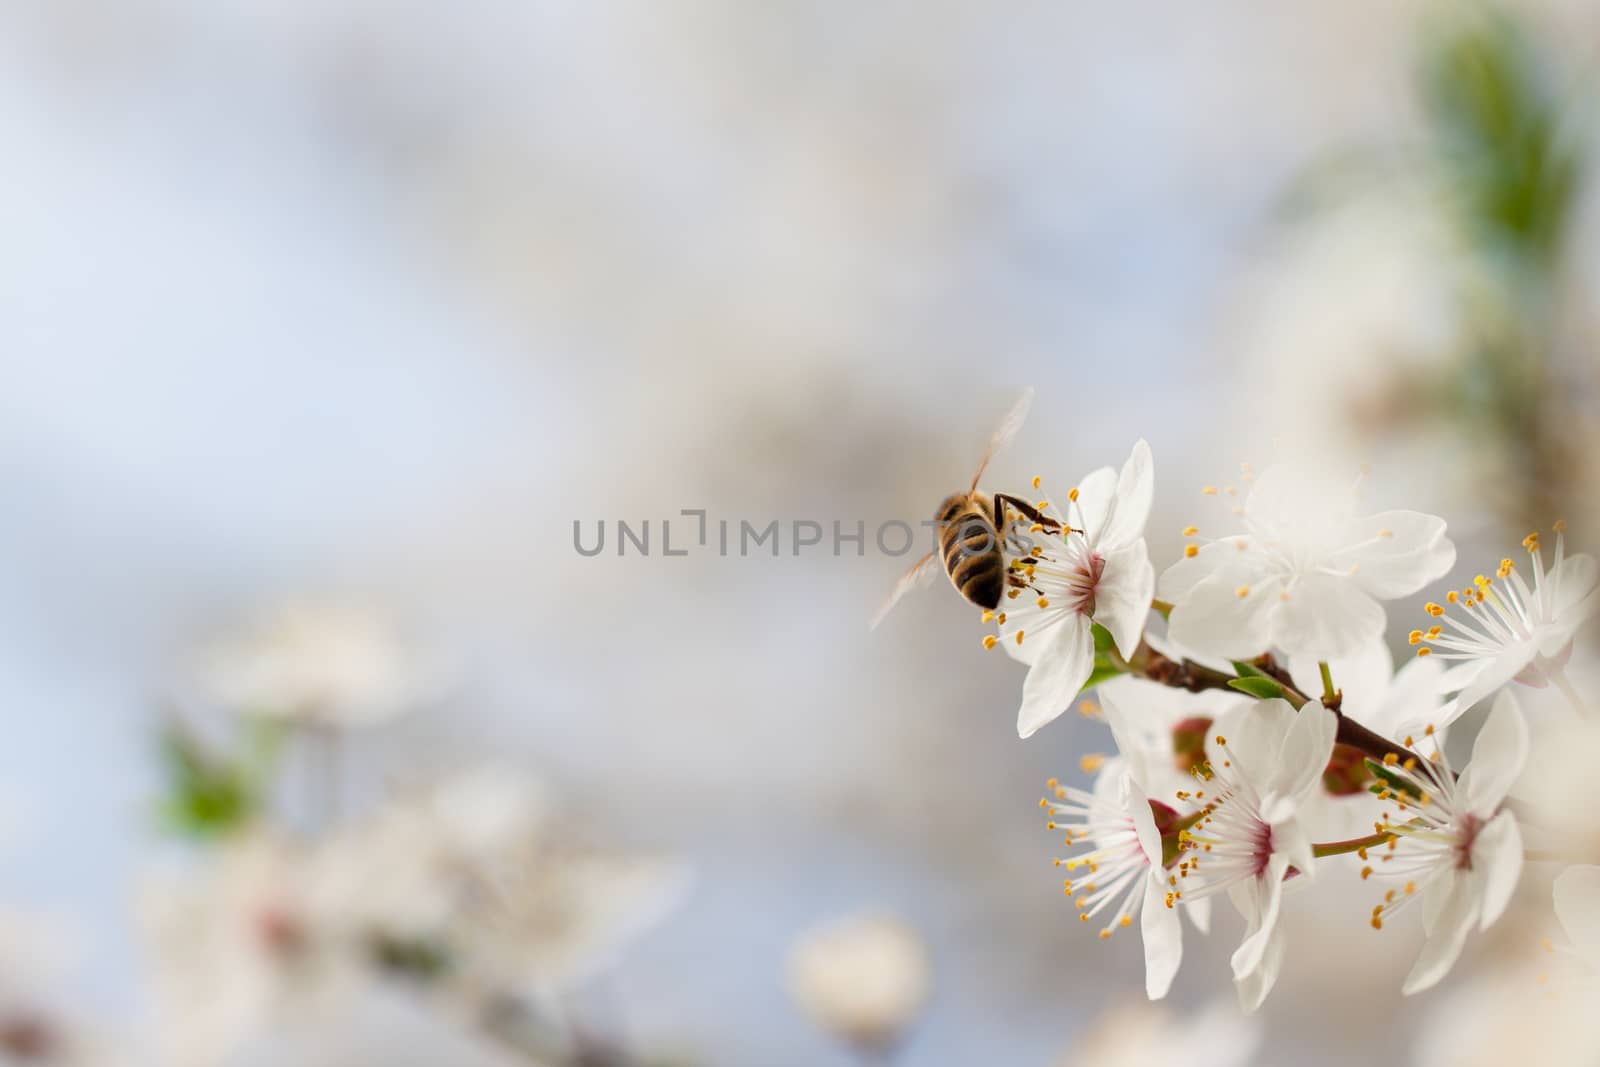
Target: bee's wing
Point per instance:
(1004, 433)
(920, 574)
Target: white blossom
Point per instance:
(1454, 848)
(1305, 575)
(1097, 571)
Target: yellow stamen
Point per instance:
(1191, 551)
(989, 640)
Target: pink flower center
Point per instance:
(1081, 576)
(1260, 847)
(1468, 836)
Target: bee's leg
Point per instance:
(1003, 500)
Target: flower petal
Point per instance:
(1057, 675)
(1498, 756)
(1443, 946)
(1577, 900)
(1395, 553)
(1263, 896)
(1131, 509)
(1137, 804)
(1252, 739)
(1307, 747)
(1497, 858)
(1163, 939)
(1575, 581)
(1495, 672)
(1097, 497)
(1254, 987)
(1327, 616)
(1215, 620)
(1122, 596)
(1179, 580)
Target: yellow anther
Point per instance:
(1390, 759)
(1433, 609)
(1125, 921)
(1411, 887)
(1242, 592)
(1105, 935)
(1011, 594)
(1366, 872)
(1190, 531)
(1036, 481)
(1415, 637)
(1560, 526)
(1052, 783)
(1424, 651)
(1385, 532)
(989, 640)
(1221, 740)
(1377, 922)
(1072, 494)
(1451, 596)
(1191, 551)
(988, 616)
(1041, 505)
(1037, 552)
(1044, 602)
(1019, 637)
(1434, 632)
(1091, 762)
(1209, 490)
(1089, 709)
(1531, 542)
(1000, 618)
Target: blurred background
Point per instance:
(323, 323)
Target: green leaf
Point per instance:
(1248, 670)
(1260, 688)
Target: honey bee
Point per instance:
(972, 530)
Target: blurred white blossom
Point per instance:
(864, 980)
(322, 663)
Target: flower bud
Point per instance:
(1189, 742)
(1346, 773)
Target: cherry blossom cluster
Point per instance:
(1263, 729)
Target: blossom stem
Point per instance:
(1568, 690)
(1355, 844)
(1328, 690)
